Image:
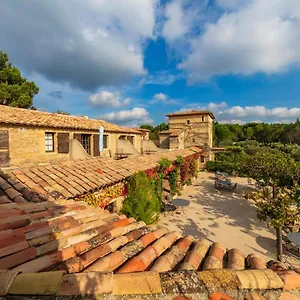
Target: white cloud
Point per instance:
(91, 45)
(232, 122)
(108, 99)
(257, 114)
(164, 99)
(262, 112)
(160, 97)
(175, 26)
(136, 115)
(260, 36)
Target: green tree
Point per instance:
(15, 90)
(280, 174)
(147, 126)
(61, 112)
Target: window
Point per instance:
(194, 140)
(188, 122)
(105, 137)
(202, 118)
(202, 158)
(49, 142)
(86, 143)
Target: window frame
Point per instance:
(188, 122)
(52, 144)
(86, 142)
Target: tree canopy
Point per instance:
(155, 130)
(226, 134)
(15, 90)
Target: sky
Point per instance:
(132, 61)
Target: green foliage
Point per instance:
(15, 90)
(273, 167)
(179, 160)
(223, 166)
(164, 164)
(280, 211)
(91, 199)
(173, 178)
(153, 135)
(61, 112)
(267, 134)
(142, 201)
(196, 167)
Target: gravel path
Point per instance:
(222, 216)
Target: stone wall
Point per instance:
(197, 131)
(27, 144)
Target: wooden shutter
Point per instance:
(96, 144)
(77, 136)
(4, 148)
(63, 142)
(4, 139)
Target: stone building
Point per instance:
(187, 129)
(30, 137)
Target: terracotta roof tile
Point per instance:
(82, 239)
(23, 117)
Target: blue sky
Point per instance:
(131, 62)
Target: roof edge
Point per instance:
(192, 112)
(147, 283)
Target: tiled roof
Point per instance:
(191, 112)
(142, 129)
(74, 178)
(23, 117)
(171, 132)
(68, 248)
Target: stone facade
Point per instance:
(188, 129)
(26, 144)
(197, 128)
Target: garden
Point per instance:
(143, 192)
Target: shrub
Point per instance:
(142, 200)
(173, 178)
(222, 166)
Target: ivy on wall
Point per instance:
(143, 190)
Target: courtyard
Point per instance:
(222, 216)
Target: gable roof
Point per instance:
(27, 117)
(191, 112)
(74, 178)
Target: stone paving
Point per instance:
(224, 217)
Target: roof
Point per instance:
(171, 132)
(142, 129)
(73, 178)
(68, 248)
(27, 117)
(191, 112)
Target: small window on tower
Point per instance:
(188, 122)
(194, 140)
(202, 118)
